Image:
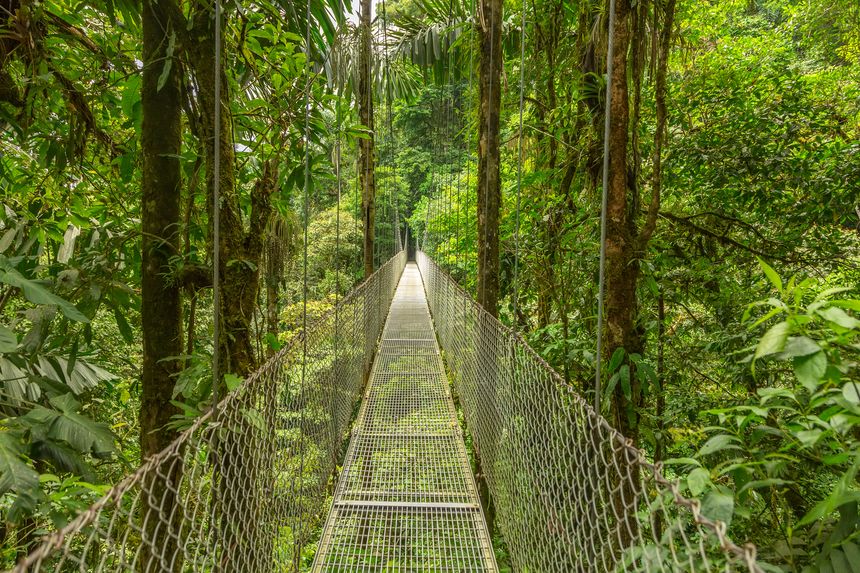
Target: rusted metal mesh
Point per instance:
(570, 493)
(245, 487)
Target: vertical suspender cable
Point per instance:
(216, 213)
(306, 217)
(336, 265)
(610, 48)
(392, 175)
(395, 200)
(359, 212)
(467, 139)
(519, 167)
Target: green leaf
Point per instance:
(850, 304)
(617, 358)
(718, 443)
(15, 475)
(809, 437)
(800, 346)
(771, 274)
(763, 483)
(810, 369)
(773, 340)
(838, 317)
(682, 461)
(80, 432)
(65, 403)
(842, 493)
(8, 340)
(38, 294)
(851, 392)
(719, 505)
(852, 552)
(123, 325)
(232, 381)
(624, 378)
(698, 481)
(168, 62)
(839, 562)
(255, 418)
(83, 434)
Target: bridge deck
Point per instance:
(406, 499)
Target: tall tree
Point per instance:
(622, 262)
(241, 252)
(489, 25)
(161, 306)
(625, 242)
(366, 145)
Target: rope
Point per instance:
(519, 167)
(216, 213)
(610, 48)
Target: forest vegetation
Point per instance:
(732, 300)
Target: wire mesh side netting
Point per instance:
(244, 488)
(570, 493)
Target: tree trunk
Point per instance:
(366, 146)
(489, 19)
(489, 27)
(622, 275)
(161, 310)
(626, 246)
(622, 261)
(245, 533)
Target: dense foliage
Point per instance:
(743, 379)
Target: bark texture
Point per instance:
(489, 21)
(161, 306)
(622, 261)
(240, 468)
(367, 174)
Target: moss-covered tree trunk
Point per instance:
(489, 19)
(161, 306)
(622, 261)
(245, 453)
(489, 28)
(367, 174)
(625, 244)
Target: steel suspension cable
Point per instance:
(601, 288)
(337, 248)
(467, 139)
(306, 218)
(394, 200)
(358, 208)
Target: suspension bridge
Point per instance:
(248, 486)
(282, 475)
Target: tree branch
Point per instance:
(728, 241)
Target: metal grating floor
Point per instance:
(406, 500)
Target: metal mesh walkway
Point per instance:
(406, 500)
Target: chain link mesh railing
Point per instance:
(244, 488)
(570, 493)
(406, 499)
